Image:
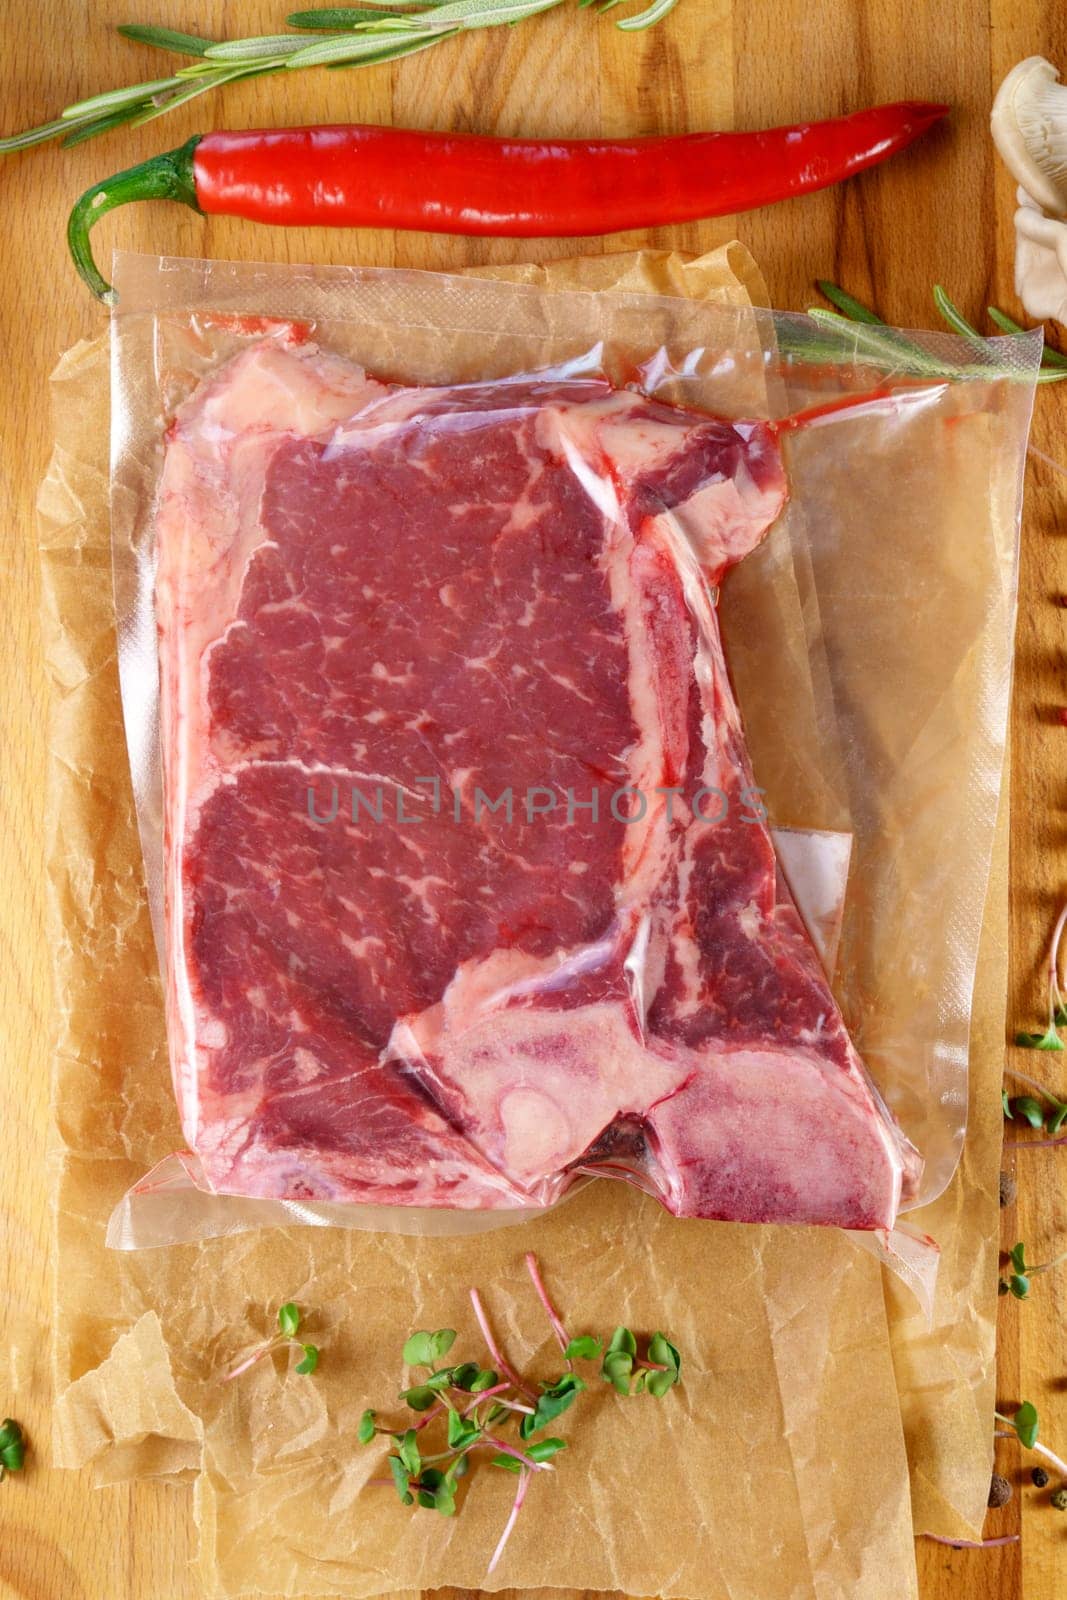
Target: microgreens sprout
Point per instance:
(285, 1338)
(1057, 1008)
(12, 1447)
(1018, 1283)
(657, 1373)
(479, 1404)
(1042, 1110)
(971, 1544)
(1024, 1427)
(487, 1334)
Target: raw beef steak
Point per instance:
(469, 888)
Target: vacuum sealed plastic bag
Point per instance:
(469, 885)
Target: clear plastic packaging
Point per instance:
(467, 885)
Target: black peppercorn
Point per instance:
(999, 1491)
(1039, 1478)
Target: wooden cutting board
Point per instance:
(941, 214)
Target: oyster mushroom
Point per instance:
(1040, 261)
(1029, 126)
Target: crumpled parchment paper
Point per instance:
(779, 1471)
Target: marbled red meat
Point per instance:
(384, 611)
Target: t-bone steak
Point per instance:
(469, 890)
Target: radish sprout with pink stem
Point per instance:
(1043, 1110)
(1037, 1144)
(284, 1339)
(513, 1517)
(542, 1294)
(971, 1544)
(1028, 1108)
(491, 1346)
(12, 1446)
(1037, 1447)
(1057, 1010)
(1031, 1083)
(1024, 1426)
(478, 1402)
(1018, 1283)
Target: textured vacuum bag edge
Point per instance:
(869, 636)
(140, 1338)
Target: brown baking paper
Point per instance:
(778, 1470)
(946, 1364)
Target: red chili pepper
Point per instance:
(366, 177)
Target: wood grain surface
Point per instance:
(940, 214)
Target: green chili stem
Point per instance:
(169, 176)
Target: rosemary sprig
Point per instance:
(886, 346)
(847, 304)
(873, 338)
(183, 44)
(1006, 324)
(351, 36)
